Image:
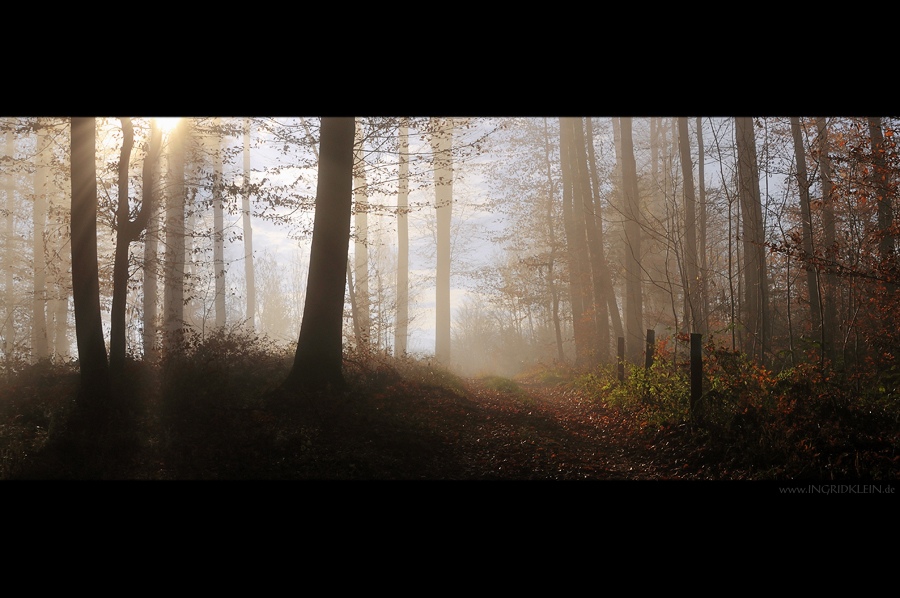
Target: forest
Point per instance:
(463, 298)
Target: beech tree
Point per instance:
(442, 142)
(694, 312)
(319, 355)
(756, 287)
(634, 329)
(92, 358)
(401, 326)
(128, 230)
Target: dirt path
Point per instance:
(551, 433)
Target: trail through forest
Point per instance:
(555, 432)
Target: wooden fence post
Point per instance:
(651, 346)
(621, 359)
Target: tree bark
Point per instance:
(812, 273)
(692, 270)
(756, 289)
(830, 326)
(361, 246)
(443, 183)
(401, 327)
(634, 328)
(319, 355)
(173, 307)
(576, 245)
(92, 359)
(39, 343)
(249, 274)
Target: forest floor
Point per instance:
(208, 418)
(487, 429)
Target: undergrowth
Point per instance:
(803, 422)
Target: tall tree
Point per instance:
(150, 180)
(882, 194)
(9, 186)
(694, 315)
(248, 233)
(39, 343)
(361, 248)
(634, 332)
(551, 231)
(218, 226)
(812, 274)
(594, 242)
(319, 355)
(174, 274)
(830, 316)
(701, 203)
(85, 272)
(401, 328)
(441, 141)
(609, 291)
(576, 245)
(756, 286)
(128, 231)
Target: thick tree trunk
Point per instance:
(576, 245)
(319, 355)
(593, 228)
(756, 288)
(85, 273)
(9, 324)
(39, 344)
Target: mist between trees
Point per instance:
(489, 244)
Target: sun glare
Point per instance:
(167, 123)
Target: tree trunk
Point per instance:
(9, 324)
(401, 327)
(173, 304)
(576, 245)
(692, 284)
(319, 355)
(361, 247)
(39, 344)
(127, 231)
(701, 201)
(551, 231)
(150, 181)
(634, 327)
(756, 289)
(593, 226)
(883, 195)
(117, 344)
(443, 188)
(248, 235)
(218, 230)
(812, 272)
(85, 272)
(830, 327)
